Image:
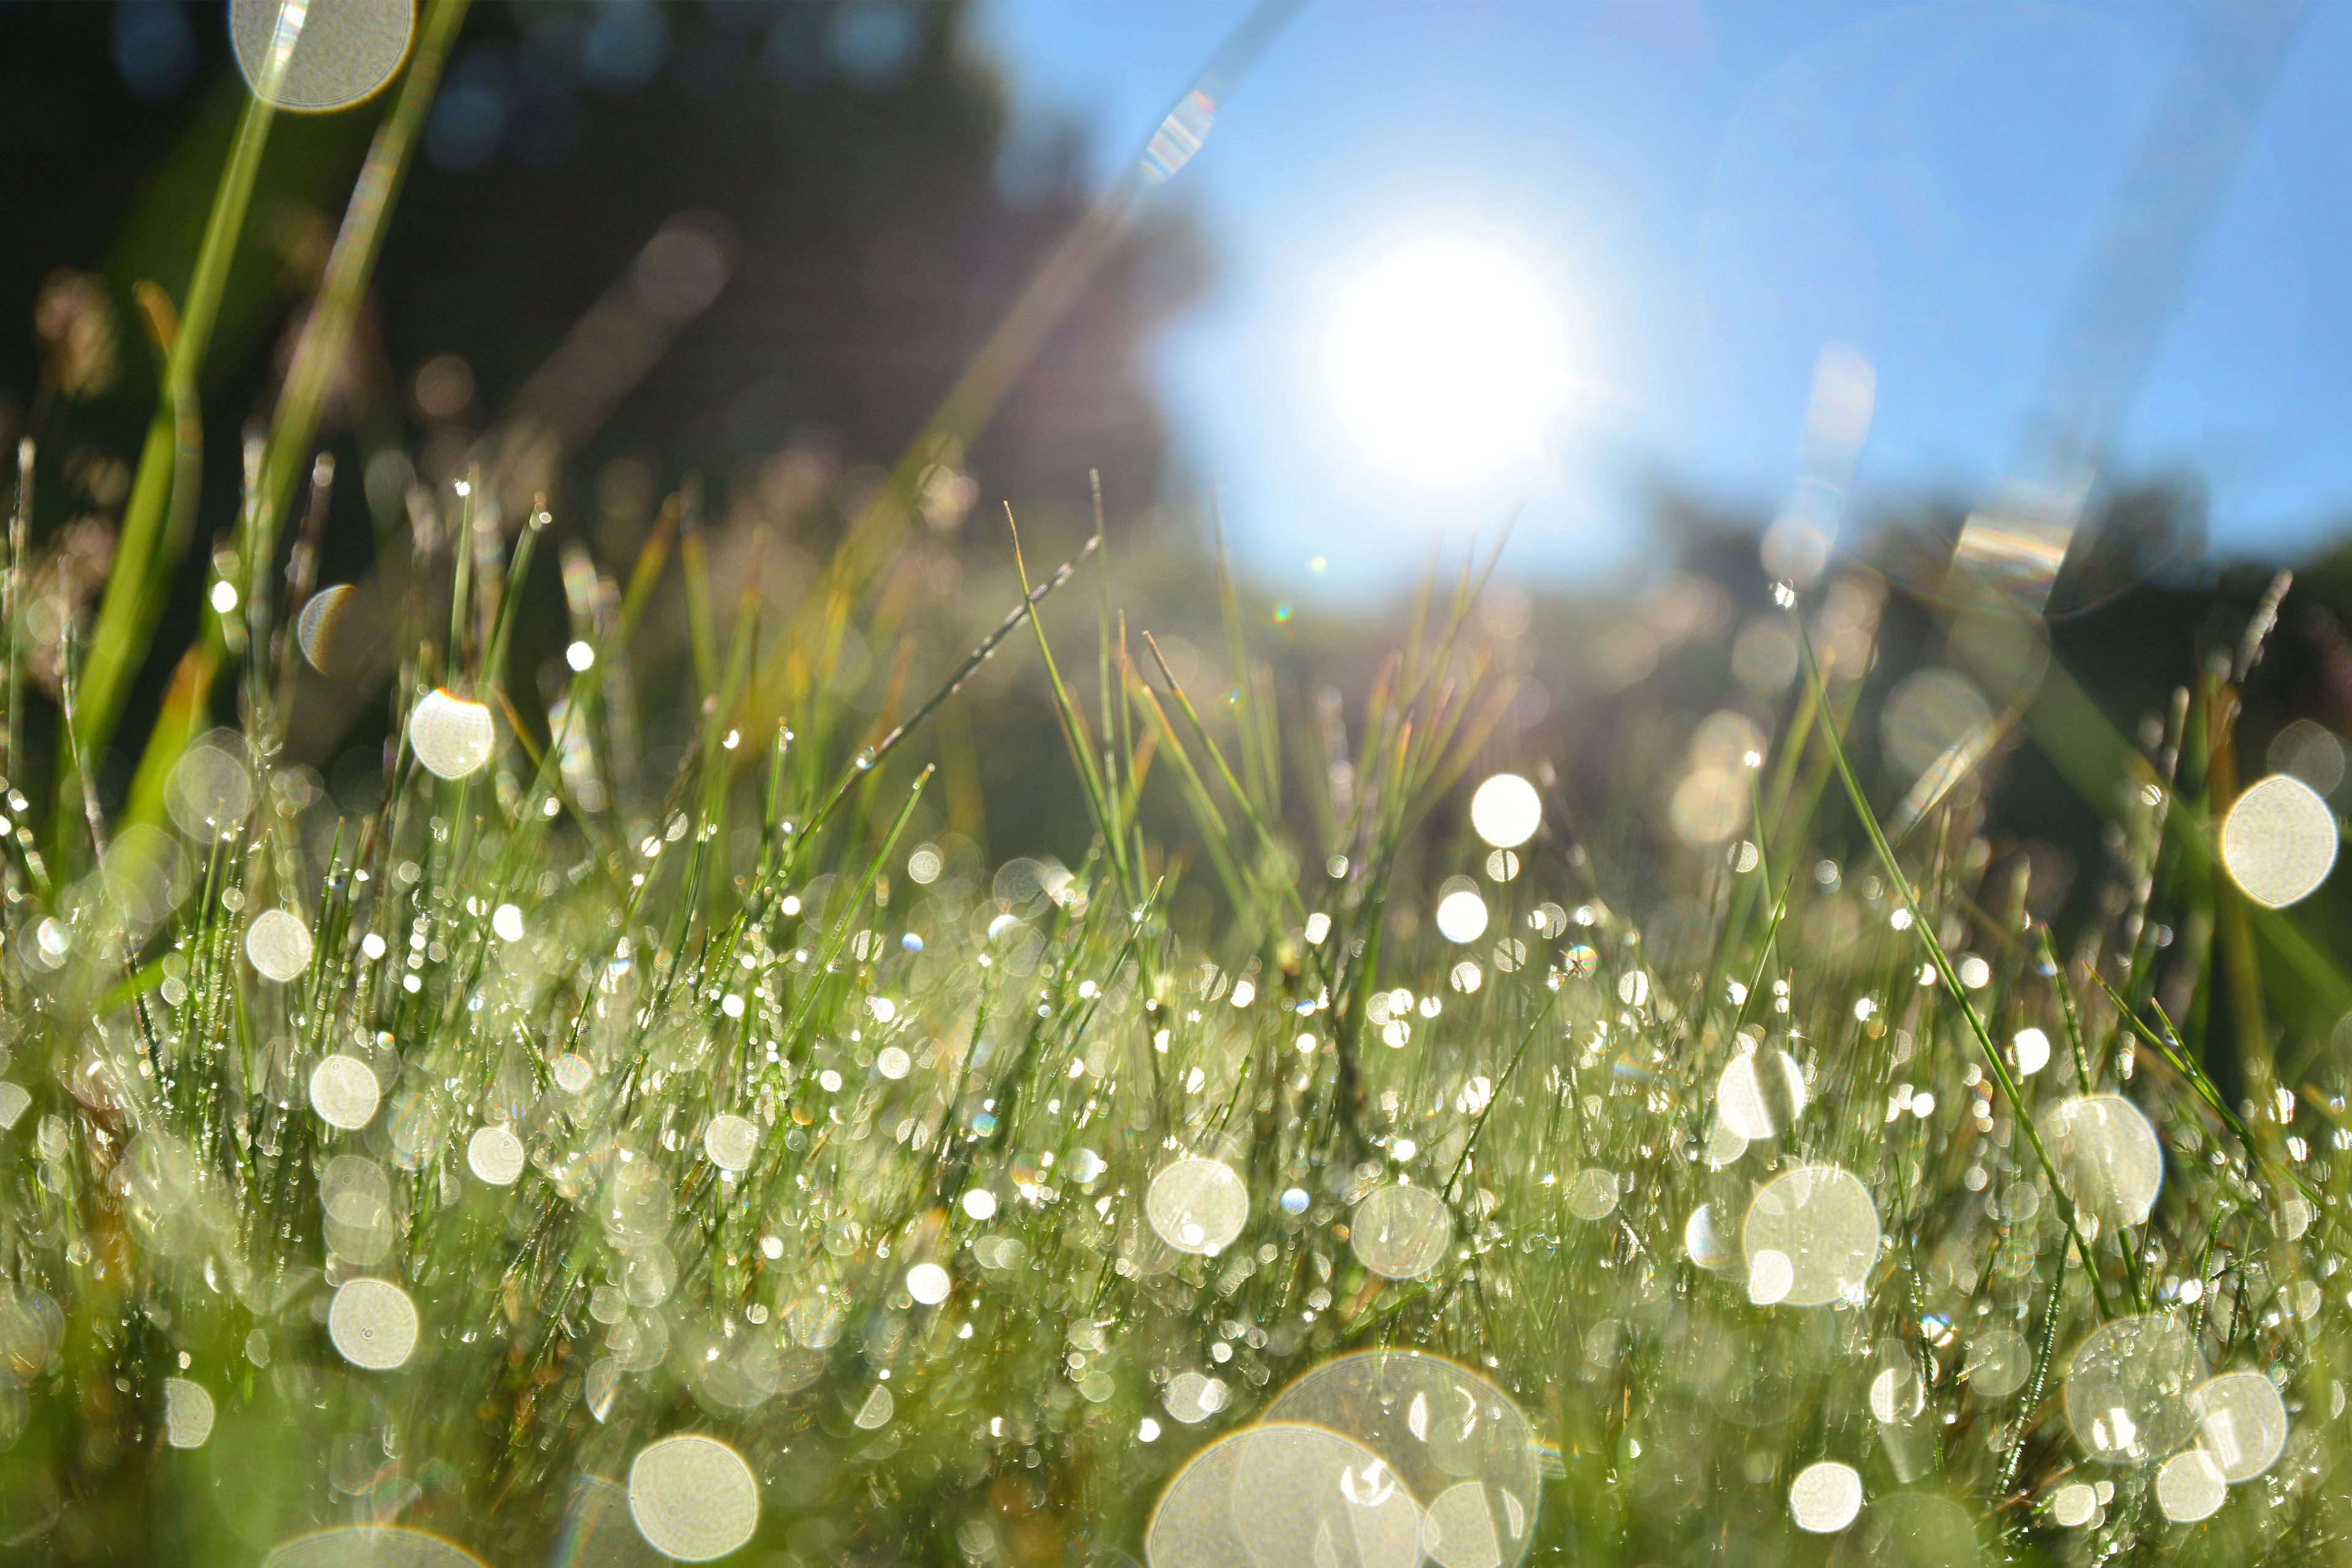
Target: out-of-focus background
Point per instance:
(1699, 295)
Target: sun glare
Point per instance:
(1446, 361)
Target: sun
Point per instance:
(1446, 361)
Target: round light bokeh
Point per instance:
(2074, 1504)
(1591, 1193)
(1760, 1093)
(1810, 1238)
(1400, 1232)
(1280, 1495)
(324, 631)
(278, 943)
(1825, 1498)
(1197, 1206)
(450, 735)
(210, 788)
(339, 52)
(1439, 1427)
(494, 1155)
(1506, 811)
(1194, 1396)
(1999, 1363)
(927, 1283)
(2129, 1388)
(187, 1413)
(730, 1141)
(1703, 1244)
(2190, 1486)
(2242, 1423)
(693, 1498)
(2106, 1155)
(369, 1546)
(344, 1093)
(2279, 840)
(2030, 1051)
(373, 1323)
(1462, 917)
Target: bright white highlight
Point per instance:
(927, 1283)
(344, 1093)
(1461, 917)
(450, 735)
(1506, 811)
(2279, 841)
(494, 1155)
(373, 1323)
(187, 1413)
(278, 943)
(1446, 361)
(730, 1141)
(1824, 1498)
(693, 1499)
(2031, 1049)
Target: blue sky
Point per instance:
(1710, 194)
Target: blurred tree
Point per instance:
(853, 161)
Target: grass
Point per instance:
(944, 1061)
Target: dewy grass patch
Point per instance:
(533, 1168)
